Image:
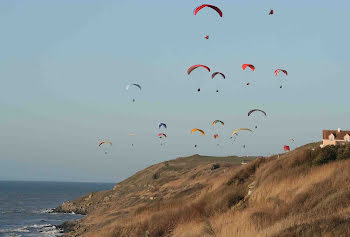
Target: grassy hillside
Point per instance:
(305, 192)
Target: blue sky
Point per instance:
(64, 66)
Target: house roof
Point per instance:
(338, 135)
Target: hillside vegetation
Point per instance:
(305, 192)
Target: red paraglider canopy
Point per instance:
(162, 135)
(207, 37)
(271, 12)
(248, 65)
(216, 73)
(280, 70)
(207, 5)
(190, 69)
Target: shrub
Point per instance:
(344, 153)
(215, 166)
(327, 154)
(155, 176)
(330, 153)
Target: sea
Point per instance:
(26, 207)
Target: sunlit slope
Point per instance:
(305, 192)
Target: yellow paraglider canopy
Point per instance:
(241, 129)
(105, 142)
(199, 130)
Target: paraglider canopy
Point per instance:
(190, 69)
(255, 110)
(218, 121)
(199, 130)
(162, 135)
(244, 66)
(137, 85)
(241, 129)
(197, 9)
(216, 73)
(281, 70)
(134, 85)
(103, 142)
(277, 71)
(162, 125)
(271, 12)
(105, 148)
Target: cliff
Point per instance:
(305, 192)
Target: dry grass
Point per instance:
(304, 193)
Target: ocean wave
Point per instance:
(15, 230)
(12, 235)
(13, 212)
(44, 230)
(43, 211)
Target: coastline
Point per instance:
(196, 195)
(29, 208)
(67, 226)
(182, 178)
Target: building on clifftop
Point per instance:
(335, 137)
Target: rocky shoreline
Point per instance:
(70, 208)
(66, 226)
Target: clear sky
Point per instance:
(64, 66)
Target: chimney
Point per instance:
(338, 129)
